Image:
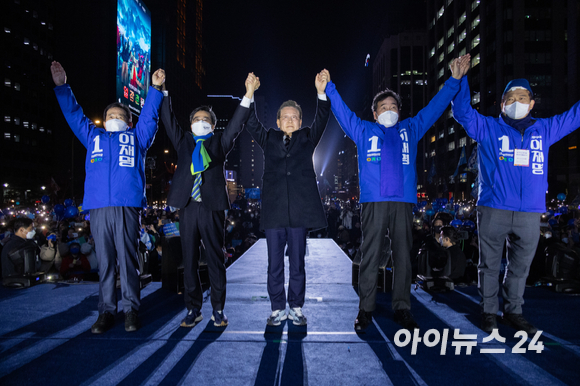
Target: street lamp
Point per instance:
(166, 151)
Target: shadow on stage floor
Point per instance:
(45, 336)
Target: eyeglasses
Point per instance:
(201, 119)
(290, 117)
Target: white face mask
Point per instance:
(201, 128)
(116, 125)
(516, 110)
(30, 235)
(388, 118)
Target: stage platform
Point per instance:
(45, 336)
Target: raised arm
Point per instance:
(430, 113)
(563, 124)
(73, 113)
(254, 126)
(241, 114)
(348, 121)
(172, 128)
(148, 121)
(322, 108)
(466, 115)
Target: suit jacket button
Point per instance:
(288, 173)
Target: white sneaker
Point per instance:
(298, 319)
(277, 317)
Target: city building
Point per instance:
(30, 134)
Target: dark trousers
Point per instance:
(376, 218)
(198, 225)
(521, 230)
(116, 233)
(277, 238)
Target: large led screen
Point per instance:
(133, 53)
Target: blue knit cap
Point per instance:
(523, 83)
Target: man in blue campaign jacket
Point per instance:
(513, 167)
(387, 152)
(114, 190)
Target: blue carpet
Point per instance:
(45, 336)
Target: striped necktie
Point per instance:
(196, 192)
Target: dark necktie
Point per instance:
(286, 141)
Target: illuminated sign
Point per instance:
(133, 53)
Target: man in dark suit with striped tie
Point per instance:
(199, 192)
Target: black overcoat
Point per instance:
(290, 197)
(214, 194)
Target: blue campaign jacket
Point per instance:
(367, 137)
(502, 185)
(115, 163)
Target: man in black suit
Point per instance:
(199, 191)
(290, 201)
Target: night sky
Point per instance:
(287, 43)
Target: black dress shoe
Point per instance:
(405, 319)
(105, 321)
(518, 322)
(488, 322)
(132, 321)
(363, 320)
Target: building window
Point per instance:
(441, 72)
(450, 48)
(474, 5)
(430, 54)
(7, 118)
(450, 31)
(441, 12)
(433, 153)
(462, 52)
(16, 138)
(451, 130)
(26, 41)
(440, 43)
(475, 60)
(441, 134)
(426, 155)
(432, 138)
(7, 30)
(474, 23)
(462, 18)
(17, 86)
(25, 124)
(462, 142)
(475, 99)
(441, 57)
(475, 42)
(451, 146)
(7, 136)
(462, 36)
(33, 126)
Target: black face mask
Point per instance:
(436, 230)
